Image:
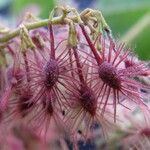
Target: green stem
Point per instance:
(61, 20)
(34, 25)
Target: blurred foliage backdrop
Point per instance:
(128, 19)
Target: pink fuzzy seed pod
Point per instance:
(116, 80)
(83, 109)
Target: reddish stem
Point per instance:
(91, 45)
(80, 73)
(26, 65)
(11, 50)
(52, 48)
(70, 59)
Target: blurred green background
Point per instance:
(129, 20)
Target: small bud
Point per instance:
(72, 39)
(26, 41)
(38, 40)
